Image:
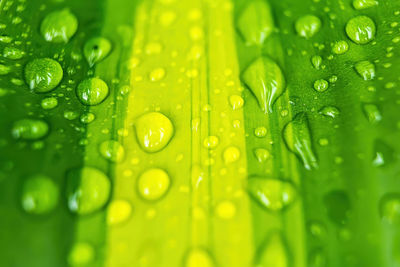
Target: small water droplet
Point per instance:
(118, 211)
(225, 210)
(153, 184)
(88, 190)
(96, 49)
(211, 142)
(383, 154)
(321, 85)
(261, 154)
(361, 29)
(70, 115)
(236, 101)
(273, 194)
(307, 26)
(92, 91)
(154, 130)
(372, 113)
(112, 151)
(157, 74)
(29, 129)
(87, 118)
(231, 154)
(389, 207)
(365, 69)
(4, 70)
(81, 254)
(260, 131)
(316, 62)
(340, 47)
(59, 26)
(49, 103)
(199, 257)
(13, 53)
(330, 111)
(43, 75)
(297, 137)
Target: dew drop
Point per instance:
(29, 129)
(154, 131)
(330, 111)
(372, 113)
(365, 69)
(340, 47)
(87, 118)
(39, 195)
(260, 131)
(13, 53)
(43, 75)
(383, 154)
(92, 91)
(49, 103)
(157, 74)
(88, 190)
(363, 4)
(231, 154)
(59, 26)
(153, 184)
(321, 85)
(361, 29)
(4, 70)
(118, 211)
(96, 49)
(316, 62)
(273, 194)
(199, 257)
(307, 26)
(81, 254)
(236, 101)
(297, 137)
(225, 210)
(389, 207)
(261, 154)
(112, 151)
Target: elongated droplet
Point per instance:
(29, 129)
(316, 62)
(372, 113)
(365, 69)
(389, 208)
(13, 53)
(307, 26)
(298, 139)
(361, 29)
(154, 130)
(96, 49)
(153, 184)
(363, 4)
(272, 194)
(199, 257)
(49, 103)
(59, 26)
(383, 154)
(39, 195)
(256, 23)
(330, 111)
(88, 190)
(43, 75)
(92, 91)
(274, 252)
(265, 79)
(337, 204)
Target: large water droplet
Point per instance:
(154, 130)
(256, 23)
(59, 26)
(92, 91)
(153, 184)
(112, 151)
(88, 190)
(118, 211)
(39, 195)
(274, 252)
(389, 207)
(199, 257)
(29, 129)
(298, 139)
(43, 75)
(265, 79)
(365, 69)
(96, 49)
(272, 194)
(307, 26)
(337, 204)
(363, 4)
(361, 29)
(13, 53)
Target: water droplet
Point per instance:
(92, 91)
(236, 101)
(383, 154)
(81, 254)
(297, 137)
(153, 48)
(87, 118)
(88, 190)
(261, 154)
(96, 49)
(316, 62)
(231, 154)
(307, 26)
(59, 26)
(273, 194)
(39, 195)
(153, 184)
(317, 229)
(43, 75)
(71, 114)
(29, 129)
(363, 4)
(49, 103)
(321, 85)
(211, 142)
(199, 257)
(340, 47)
(372, 113)
(256, 22)
(225, 210)
(167, 18)
(154, 130)
(274, 252)
(265, 79)
(337, 204)
(330, 111)
(389, 208)
(317, 258)
(118, 211)
(157, 74)
(361, 29)
(112, 151)
(13, 53)
(260, 131)
(365, 69)
(4, 70)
